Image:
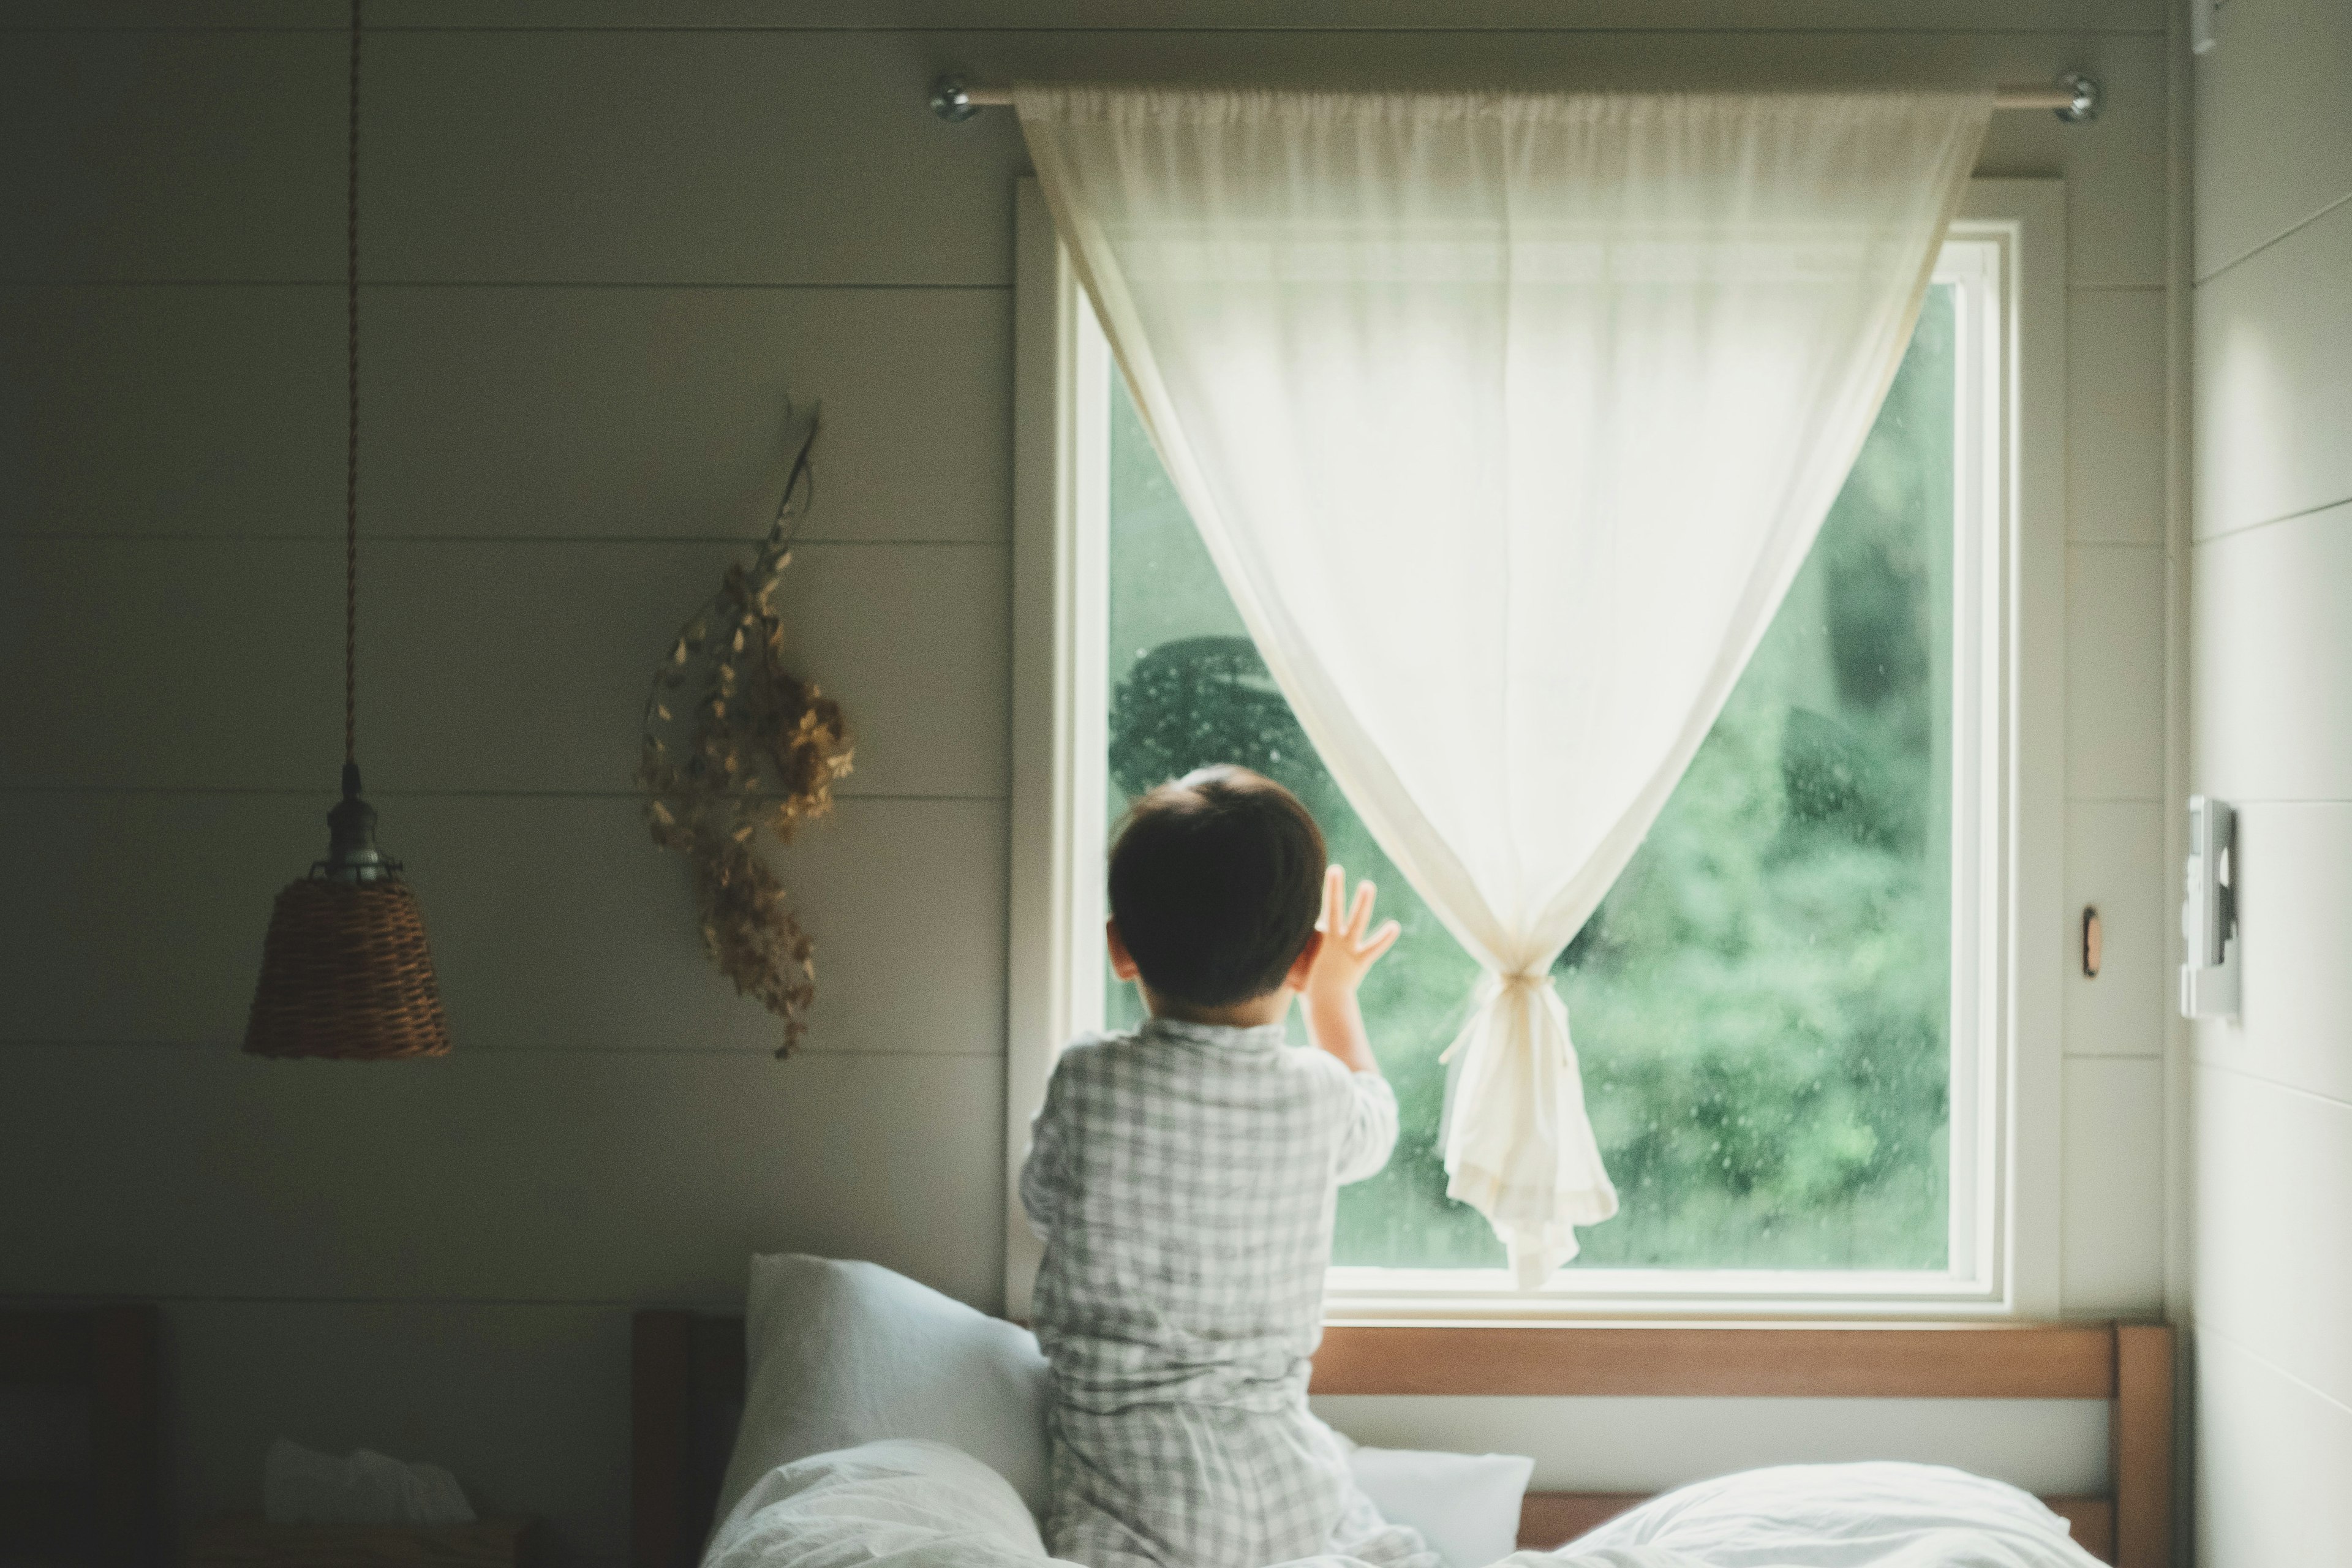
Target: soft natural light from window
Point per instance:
(1778, 1005)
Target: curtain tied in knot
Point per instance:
(1519, 1148)
(1493, 986)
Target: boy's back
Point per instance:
(1185, 1178)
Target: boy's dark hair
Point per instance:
(1216, 881)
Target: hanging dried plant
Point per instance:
(734, 743)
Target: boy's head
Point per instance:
(1215, 884)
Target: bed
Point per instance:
(91, 1373)
(687, 1371)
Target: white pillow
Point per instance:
(1467, 1506)
(841, 1355)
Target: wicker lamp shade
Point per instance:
(345, 970)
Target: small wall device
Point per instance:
(2209, 912)
(2204, 16)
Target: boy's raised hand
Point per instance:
(1348, 952)
(1333, 1020)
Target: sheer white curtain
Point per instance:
(1507, 420)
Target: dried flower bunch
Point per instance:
(735, 742)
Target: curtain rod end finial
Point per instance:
(951, 100)
(2087, 99)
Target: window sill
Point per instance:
(1485, 1297)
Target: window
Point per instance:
(1795, 1010)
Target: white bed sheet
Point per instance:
(907, 1504)
(1845, 1516)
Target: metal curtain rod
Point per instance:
(2072, 98)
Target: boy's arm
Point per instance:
(1335, 1021)
(1371, 1132)
(1336, 1025)
(1043, 1172)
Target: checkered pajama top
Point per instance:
(1184, 1178)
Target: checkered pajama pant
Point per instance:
(1193, 1485)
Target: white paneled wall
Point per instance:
(2114, 1160)
(2273, 367)
(2271, 651)
(605, 240)
(2272, 1454)
(2272, 686)
(2274, 133)
(2112, 1157)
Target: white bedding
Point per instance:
(1838, 1515)
(906, 1504)
(898, 1503)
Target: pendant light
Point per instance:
(345, 970)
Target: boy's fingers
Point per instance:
(1361, 914)
(1382, 940)
(1335, 882)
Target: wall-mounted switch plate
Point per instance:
(2209, 912)
(2202, 19)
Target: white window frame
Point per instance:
(2007, 249)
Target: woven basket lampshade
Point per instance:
(345, 971)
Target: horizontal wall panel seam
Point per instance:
(569, 540)
(297, 792)
(2205, 1327)
(2275, 240)
(2208, 1064)
(650, 1053)
(549, 1303)
(163, 29)
(301, 792)
(2242, 530)
(583, 284)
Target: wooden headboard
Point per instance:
(103, 1361)
(689, 1391)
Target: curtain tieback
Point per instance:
(1495, 985)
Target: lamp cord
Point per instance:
(352, 470)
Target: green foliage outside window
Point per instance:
(1762, 1002)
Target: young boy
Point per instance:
(1184, 1178)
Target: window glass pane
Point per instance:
(1762, 1002)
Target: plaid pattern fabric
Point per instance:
(1184, 1179)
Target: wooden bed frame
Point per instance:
(688, 1389)
(111, 1514)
